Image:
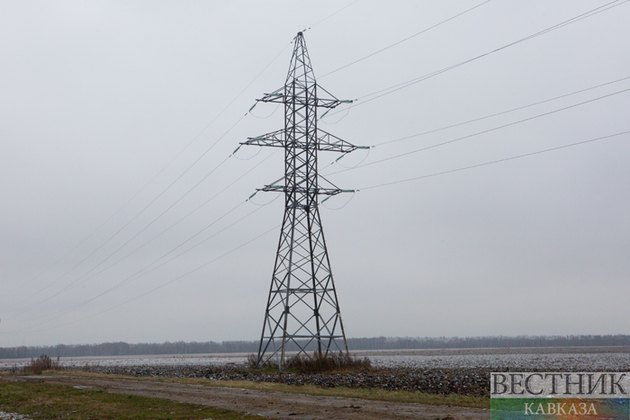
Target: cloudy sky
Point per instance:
(494, 200)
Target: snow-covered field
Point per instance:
(525, 362)
(612, 359)
(148, 360)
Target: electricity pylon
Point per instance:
(302, 309)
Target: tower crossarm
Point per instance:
(277, 96)
(331, 101)
(273, 139)
(325, 142)
(331, 143)
(298, 190)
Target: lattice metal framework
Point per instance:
(302, 309)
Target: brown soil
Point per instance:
(277, 405)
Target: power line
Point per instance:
(383, 92)
(482, 118)
(403, 85)
(481, 132)
(499, 113)
(160, 234)
(136, 216)
(78, 281)
(375, 186)
(22, 284)
(362, 189)
(330, 15)
(142, 272)
(405, 39)
(494, 161)
(155, 199)
(154, 289)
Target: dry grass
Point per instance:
(335, 362)
(39, 365)
(362, 393)
(319, 362)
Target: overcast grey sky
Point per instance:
(113, 131)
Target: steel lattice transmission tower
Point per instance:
(302, 309)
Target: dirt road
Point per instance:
(277, 405)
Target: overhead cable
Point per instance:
(499, 113)
(22, 284)
(29, 330)
(383, 92)
(144, 271)
(478, 165)
(132, 219)
(164, 231)
(404, 39)
(330, 15)
(481, 132)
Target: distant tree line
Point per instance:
(374, 343)
(125, 349)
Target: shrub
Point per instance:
(251, 361)
(317, 363)
(40, 364)
(321, 362)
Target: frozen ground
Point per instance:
(525, 362)
(149, 360)
(575, 359)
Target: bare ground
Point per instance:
(277, 405)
